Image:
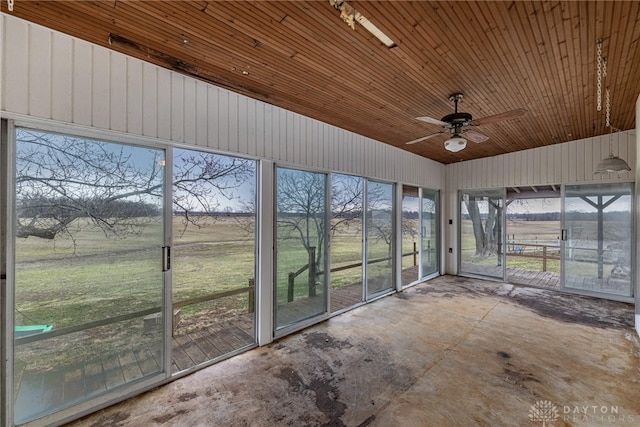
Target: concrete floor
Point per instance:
(449, 352)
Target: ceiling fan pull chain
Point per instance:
(599, 73)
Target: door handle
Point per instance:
(166, 258)
(564, 235)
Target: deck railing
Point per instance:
(312, 256)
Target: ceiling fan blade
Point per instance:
(424, 138)
(499, 117)
(474, 136)
(432, 121)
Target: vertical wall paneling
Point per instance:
(201, 117)
(545, 166)
(295, 141)
(62, 75)
(528, 171)
(243, 115)
(252, 121)
(589, 165)
(222, 142)
(280, 135)
(164, 104)
(81, 98)
(134, 97)
(15, 72)
(537, 169)
(177, 107)
(604, 151)
(100, 90)
(259, 130)
(288, 135)
(118, 92)
(329, 145)
(149, 100)
(39, 71)
(269, 120)
(189, 113)
(557, 162)
(570, 162)
(212, 116)
(311, 150)
(515, 169)
(483, 176)
(494, 169)
(314, 150)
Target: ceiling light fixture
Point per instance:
(455, 143)
(349, 15)
(610, 164)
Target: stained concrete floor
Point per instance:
(449, 352)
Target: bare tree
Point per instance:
(347, 194)
(61, 179)
(301, 209)
(487, 234)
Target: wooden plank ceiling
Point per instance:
(300, 55)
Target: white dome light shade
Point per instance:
(455, 144)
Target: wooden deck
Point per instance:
(39, 392)
(540, 279)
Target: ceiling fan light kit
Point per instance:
(455, 144)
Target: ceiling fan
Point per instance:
(456, 122)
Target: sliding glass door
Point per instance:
(597, 238)
(213, 252)
(429, 232)
(379, 238)
(300, 237)
(481, 233)
(88, 274)
(410, 226)
(347, 200)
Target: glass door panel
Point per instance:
(597, 238)
(88, 272)
(429, 247)
(213, 256)
(300, 234)
(533, 237)
(379, 238)
(410, 233)
(347, 194)
(481, 233)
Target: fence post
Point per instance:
(312, 271)
(415, 251)
(544, 258)
(290, 280)
(252, 295)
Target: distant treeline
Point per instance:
(571, 216)
(214, 213)
(45, 207)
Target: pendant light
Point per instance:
(610, 164)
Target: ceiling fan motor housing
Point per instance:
(457, 120)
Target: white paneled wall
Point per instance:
(51, 76)
(570, 162)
